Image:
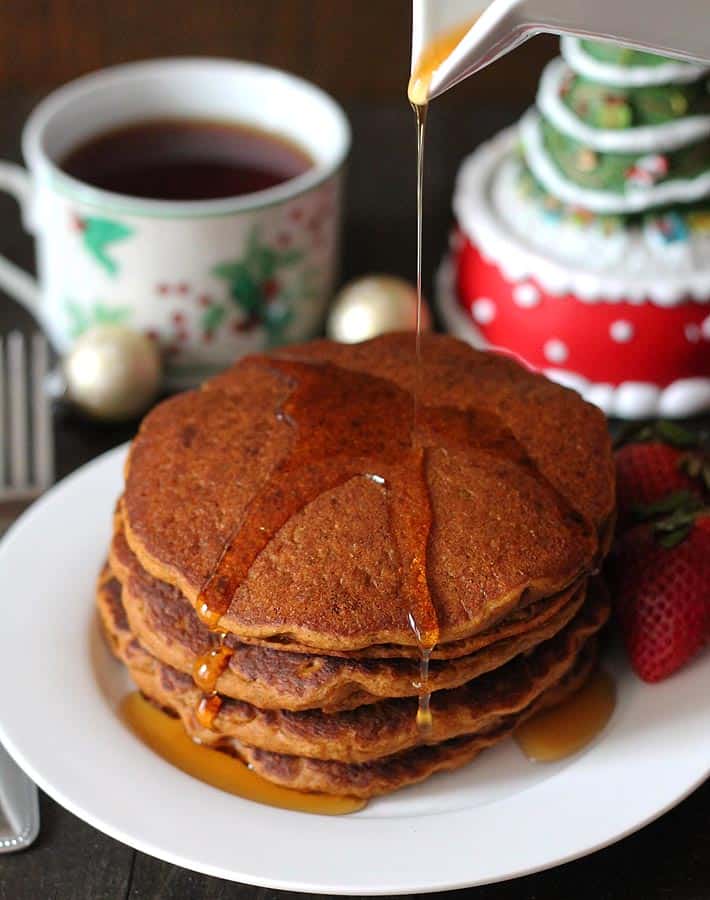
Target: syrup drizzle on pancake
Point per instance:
(205, 673)
(335, 417)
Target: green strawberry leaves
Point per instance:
(666, 432)
(672, 517)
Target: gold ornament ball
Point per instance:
(113, 372)
(374, 305)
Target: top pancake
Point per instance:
(508, 525)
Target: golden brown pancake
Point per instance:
(364, 779)
(393, 772)
(168, 628)
(369, 732)
(522, 501)
(527, 615)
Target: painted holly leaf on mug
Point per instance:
(81, 318)
(98, 234)
(255, 286)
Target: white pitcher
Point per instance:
(680, 28)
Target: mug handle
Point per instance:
(15, 281)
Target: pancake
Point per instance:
(168, 628)
(383, 776)
(369, 732)
(522, 499)
(380, 776)
(526, 616)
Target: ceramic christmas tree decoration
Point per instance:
(583, 239)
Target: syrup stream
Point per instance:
(418, 93)
(424, 718)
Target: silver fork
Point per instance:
(26, 470)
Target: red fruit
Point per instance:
(647, 472)
(661, 597)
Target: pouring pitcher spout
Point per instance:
(452, 39)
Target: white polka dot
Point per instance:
(692, 332)
(555, 351)
(526, 295)
(705, 328)
(484, 310)
(621, 331)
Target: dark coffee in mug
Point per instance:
(186, 159)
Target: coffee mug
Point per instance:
(176, 270)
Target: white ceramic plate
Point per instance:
(496, 819)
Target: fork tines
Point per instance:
(27, 461)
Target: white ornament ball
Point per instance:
(113, 372)
(373, 305)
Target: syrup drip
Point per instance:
(205, 673)
(556, 733)
(166, 737)
(210, 665)
(207, 709)
(425, 721)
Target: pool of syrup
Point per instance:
(564, 730)
(166, 736)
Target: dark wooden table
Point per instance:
(668, 860)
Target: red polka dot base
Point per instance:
(602, 341)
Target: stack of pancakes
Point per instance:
(268, 533)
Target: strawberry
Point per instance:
(645, 473)
(663, 458)
(662, 579)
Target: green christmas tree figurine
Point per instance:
(619, 132)
(583, 244)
